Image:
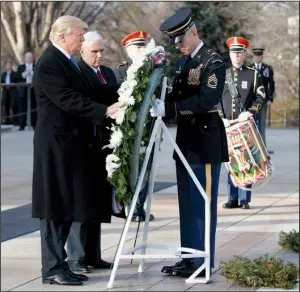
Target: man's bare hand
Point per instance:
(113, 108)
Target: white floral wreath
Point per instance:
(128, 99)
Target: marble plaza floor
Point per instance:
(251, 232)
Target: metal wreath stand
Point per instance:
(159, 128)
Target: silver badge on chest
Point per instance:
(244, 84)
(266, 73)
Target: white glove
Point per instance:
(226, 123)
(244, 116)
(158, 108)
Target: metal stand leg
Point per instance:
(150, 193)
(133, 204)
(155, 136)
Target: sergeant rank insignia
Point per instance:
(212, 81)
(194, 76)
(266, 73)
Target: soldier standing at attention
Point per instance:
(243, 97)
(197, 89)
(266, 73)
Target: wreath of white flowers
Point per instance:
(128, 99)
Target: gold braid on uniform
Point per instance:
(122, 64)
(260, 91)
(255, 80)
(255, 108)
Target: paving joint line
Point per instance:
(258, 211)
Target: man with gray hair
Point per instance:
(84, 241)
(62, 189)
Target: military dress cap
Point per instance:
(137, 38)
(177, 25)
(237, 44)
(258, 50)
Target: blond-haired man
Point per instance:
(62, 187)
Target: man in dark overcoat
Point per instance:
(84, 241)
(10, 95)
(62, 190)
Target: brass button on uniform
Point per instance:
(179, 92)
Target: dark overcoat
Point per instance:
(104, 94)
(62, 187)
(12, 91)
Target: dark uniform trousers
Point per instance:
(261, 122)
(192, 206)
(235, 193)
(266, 73)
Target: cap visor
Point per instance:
(237, 50)
(176, 39)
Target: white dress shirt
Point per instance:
(62, 50)
(258, 65)
(193, 54)
(7, 77)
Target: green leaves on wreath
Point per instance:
(132, 117)
(266, 271)
(289, 240)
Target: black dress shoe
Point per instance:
(79, 277)
(62, 279)
(100, 264)
(245, 205)
(169, 269)
(231, 204)
(136, 218)
(187, 270)
(78, 267)
(121, 215)
(21, 128)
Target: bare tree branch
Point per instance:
(18, 9)
(66, 9)
(90, 18)
(10, 35)
(48, 21)
(81, 10)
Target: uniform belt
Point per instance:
(214, 109)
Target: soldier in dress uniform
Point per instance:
(197, 89)
(132, 43)
(243, 96)
(265, 72)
